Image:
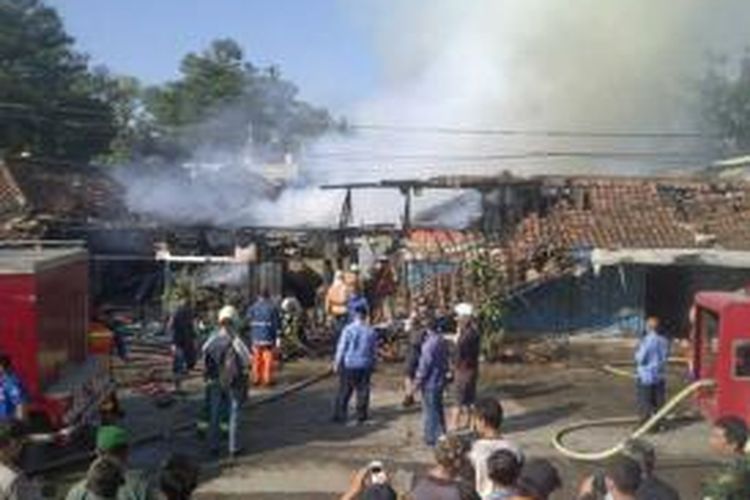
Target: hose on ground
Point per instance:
(596, 456)
(617, 370)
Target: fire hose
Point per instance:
(616, 370)
(595, 456)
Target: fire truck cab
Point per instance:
(721, 351)
(44, 323)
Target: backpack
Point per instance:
(229, 368)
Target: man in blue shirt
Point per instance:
(264, 319)
(651, 360)
(11, 392)
(357, 300)
(431, 379)
(355, 359)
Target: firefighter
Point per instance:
(292, 316)
(264, 320)
(336, 300)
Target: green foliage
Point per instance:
(489, 285)
(50, 103)
(726, 98)
(223, 102)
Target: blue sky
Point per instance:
(315, 42)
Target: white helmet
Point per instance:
(228, 313)
(464, 309)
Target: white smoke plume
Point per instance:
(583, 65)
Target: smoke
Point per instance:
(222, 274)
(525, 65)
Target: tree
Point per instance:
(50, 103)
(726, 97)
(224, 103)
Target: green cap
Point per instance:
(109, 437)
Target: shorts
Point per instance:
(466, 387)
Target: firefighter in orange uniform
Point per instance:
(265, 320)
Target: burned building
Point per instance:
(136, 258)
(579, 253)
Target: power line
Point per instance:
(363, 156)
(687, 134)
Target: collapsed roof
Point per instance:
(37, 196)
(554, 227)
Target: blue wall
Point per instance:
(611, 300)
(419, 272)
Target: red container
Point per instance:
(43, 311)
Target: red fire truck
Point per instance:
(44, 323)
(721, 352)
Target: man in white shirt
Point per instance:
(488, 421)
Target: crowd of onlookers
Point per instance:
(480, 464)
(486, 465)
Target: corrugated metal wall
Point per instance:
(611, 300)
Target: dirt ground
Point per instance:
(292, 451)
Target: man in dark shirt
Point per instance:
(466, 365)
(430, 379)
(415, 328)
(182, 330)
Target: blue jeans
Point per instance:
(433, 414)
(217, 398)
(350, 381)
(651, 398)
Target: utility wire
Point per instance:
(415, 129)
(687, 134)
(508, 156)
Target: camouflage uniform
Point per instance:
(137, 486)
(733, 483)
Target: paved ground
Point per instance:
(292, 451)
